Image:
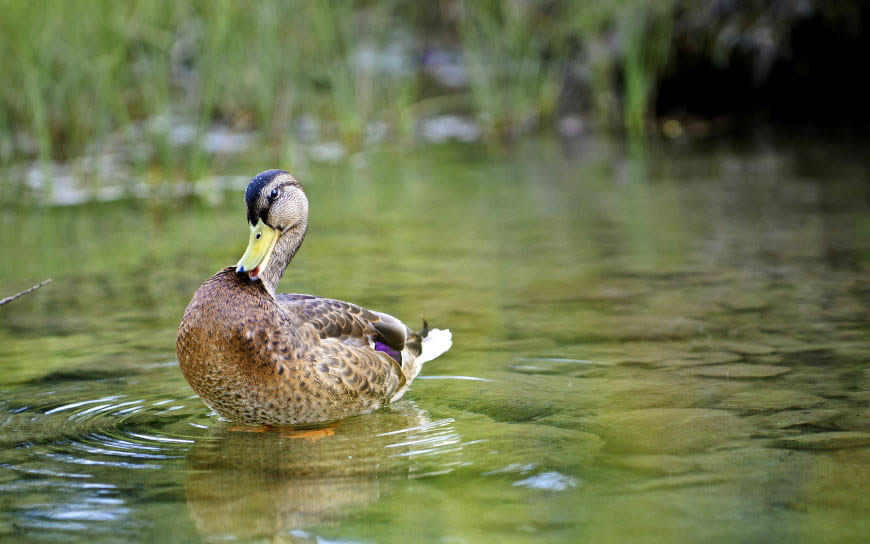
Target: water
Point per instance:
(646, 348)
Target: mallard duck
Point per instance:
(261, 358)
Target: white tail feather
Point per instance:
(436, 342)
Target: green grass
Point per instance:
(512, 84)
(83, 75)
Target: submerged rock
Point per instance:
(668, 391)
(680, 363)
(683, 480)
(519, 444)
(737, 370)
(746, 303)
(750, 462)
(646, 352)
(768, 359)
(531, 369)
(667, 430)
(761, 400)
(564, 366)
(718, 357)
(824, 441)
(655, 463)
(643, 328)
(748, 348)
(503, 404)
(860, 396)
(698, 359)
(855, 420)
(793, 418)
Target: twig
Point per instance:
(7, 300)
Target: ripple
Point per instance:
(99, 453)
(115, 431)
(431, 438)
(166, 439)
(93, 455)
(469, 378)
(549, 481)
(425, 427)
(74, 405)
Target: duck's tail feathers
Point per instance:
(435, 343)
(423, 346)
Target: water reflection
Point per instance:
(686, 341)
(242, 484)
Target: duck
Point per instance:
(258, 357)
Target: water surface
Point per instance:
(660, 347)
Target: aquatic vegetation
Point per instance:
(158, 75)
(513, 85)
(519, 54)
(647, 39)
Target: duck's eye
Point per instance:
(274, 194)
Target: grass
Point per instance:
(517, 54)
(513, 85)
(646, 51)
(86, 75)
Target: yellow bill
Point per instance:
(260, 247)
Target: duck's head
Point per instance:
(278, 215)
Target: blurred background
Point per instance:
(118, 90)
(646, 223)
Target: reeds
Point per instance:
(81, 74)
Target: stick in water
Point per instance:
(7, 300)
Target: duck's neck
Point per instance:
(286, 247)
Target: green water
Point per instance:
(659, 348)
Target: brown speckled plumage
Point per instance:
(260, 358)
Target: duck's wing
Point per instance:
(346, 321)
(360, 350)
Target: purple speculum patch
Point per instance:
(380, 346)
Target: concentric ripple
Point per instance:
(98, 446)
(86, 449)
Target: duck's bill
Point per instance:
(260, 248)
